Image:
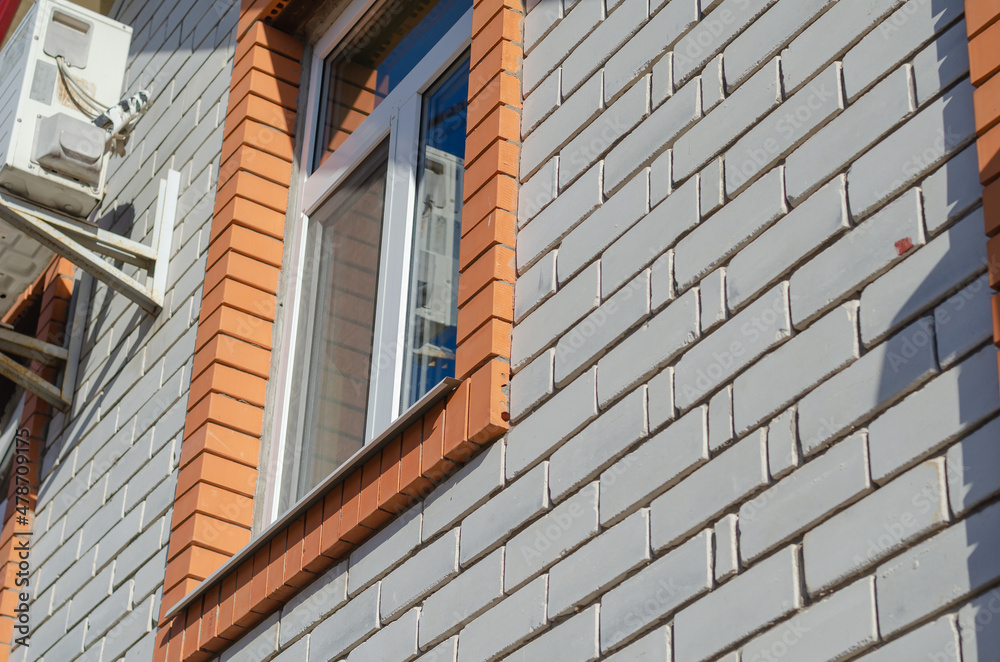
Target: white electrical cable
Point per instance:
(87, 104)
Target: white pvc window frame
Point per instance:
(398, 118)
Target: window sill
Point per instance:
(355, 462)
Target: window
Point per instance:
(372, 309)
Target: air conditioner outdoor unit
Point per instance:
(61, 65)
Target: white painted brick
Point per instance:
(553, 48)
(601, 329)
(654, 467)
(849, 134)
(787, 126)
(447, 651)
(462, 598)
(951, 190)
(134, 627)
(963, 322)
(782, 444)
(701, 497)
(980, 634)
(600, 563)
(538, 22)
(66, 648)
(663, 79)
(598, 445)
(540, 328)
(535, 286)
(970, 478)
(730, 119)
(937, 641)
(752, 212)
(711, 35)
(86, 593)
(656, 37)
(828, 630)
(876, 527)
(928, 138)
(574, 640)
(608, 222)
(655, 133)
(654, 646)
(551, 537)
(777, 249)
(733, 346)
(491, 523)
(531, 384)
(418, 576)
(712, 195)
(778, 379)
(883, 375)
(767, 35)
(463, 492)
(295, 653)
(346, 627)
(661, 284)
(956, 562)
(942, 62)
(855, 259)
(830, 36)
(660, 179)
(650, 237)
(660, 398)
(713, 90)
(538, 105)
(648, 349)
(258, 644)
(937, 413)
(567, 412)
(657, 590)
(607, 129)
(740, 607)
(107, 614)
(893, 41)
(805, 497)
(313, 603)
(712, 291)
(538, 191)
(396, 642)
(727, 560)
(606, 40)
(505, 626)
(720, 419)
(574, 112)
(384, 550)
(124, 532)
(922, 279)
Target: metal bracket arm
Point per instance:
(88, 247)
(20, 344)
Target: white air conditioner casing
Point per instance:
(39, 122)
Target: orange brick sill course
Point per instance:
(213, 510)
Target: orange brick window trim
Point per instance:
(983, 25)
(219, 456)
(55, 287)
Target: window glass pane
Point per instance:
(432, 307)
(329, 402)
(385, 46)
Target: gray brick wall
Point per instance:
(109, 470)
(754, 403)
